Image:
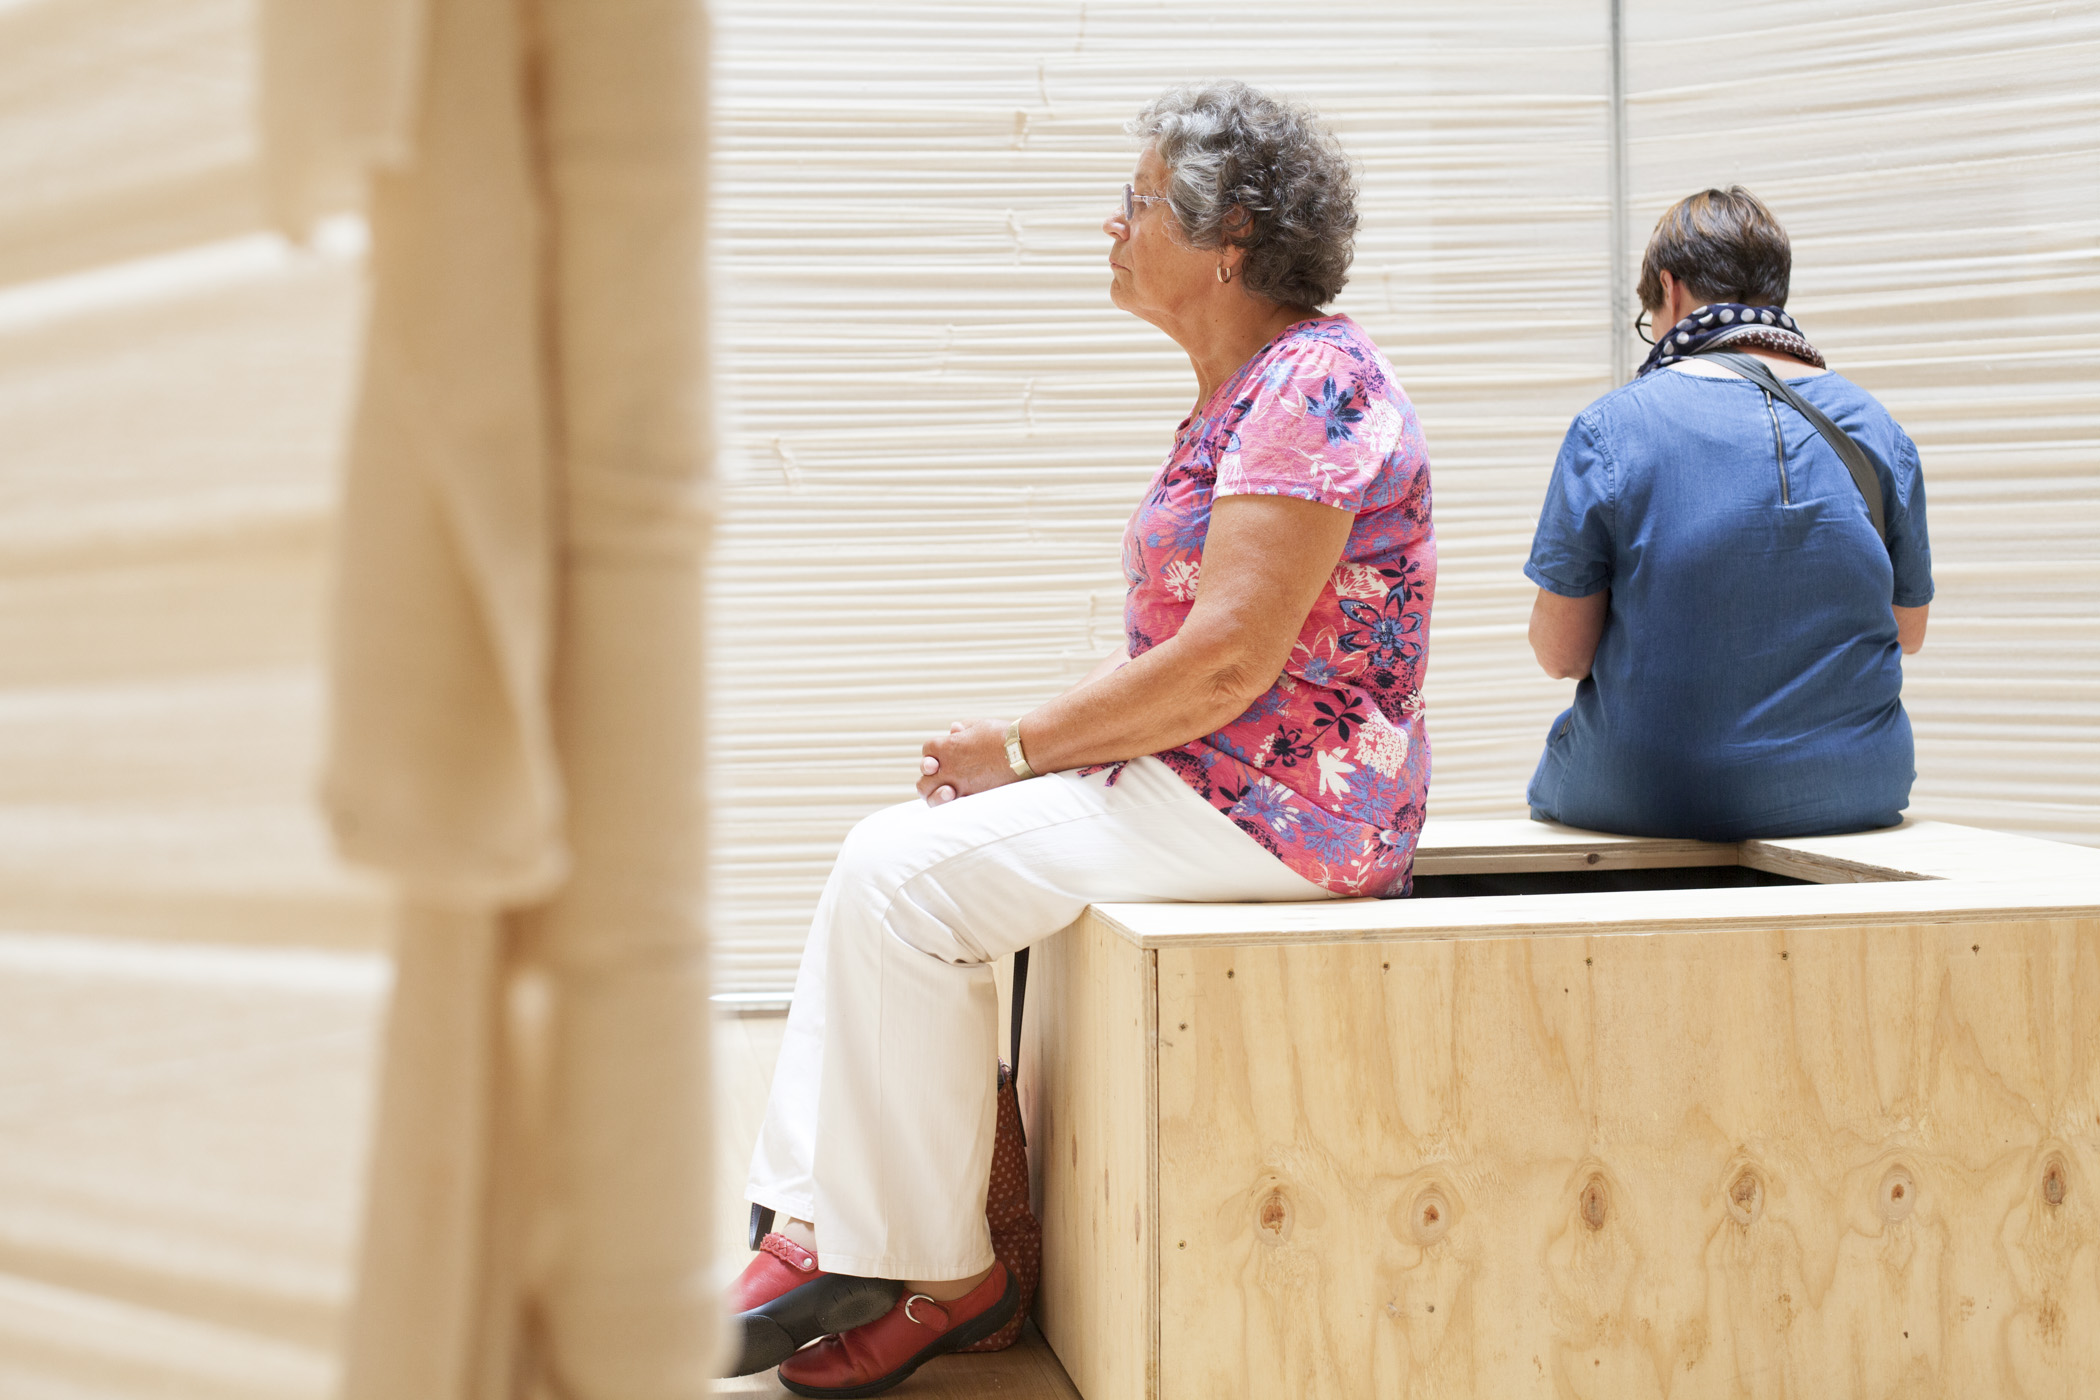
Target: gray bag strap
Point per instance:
(1849, 451)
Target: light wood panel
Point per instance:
(1804, 1162)
(1477, 847)
(1914, 850)
(1087, 1097)
(1923, 850)
(1878, 903)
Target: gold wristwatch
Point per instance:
(1015, 759)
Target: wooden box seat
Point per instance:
(1811, 1118)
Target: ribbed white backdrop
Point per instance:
(939, 423)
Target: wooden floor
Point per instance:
(745, 1048)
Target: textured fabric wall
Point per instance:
(189, 984)
(938, 424)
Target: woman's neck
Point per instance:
(1229, 336)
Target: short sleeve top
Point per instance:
(1749, 680)
(1330, 768)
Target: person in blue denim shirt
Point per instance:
(1710, 574)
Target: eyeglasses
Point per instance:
(1646, 339)
(1132, 199)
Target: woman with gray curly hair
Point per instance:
(1259, 737)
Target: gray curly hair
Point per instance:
(1227, 146)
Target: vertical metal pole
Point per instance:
(1622, 312)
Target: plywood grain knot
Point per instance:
(1596, 1202)
(1272, 1218)
(1899, 1193)
(1430, 1219)
(2054, 1186)
(1746, 1196)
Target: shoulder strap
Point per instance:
(1020, 999)
(1848, 450)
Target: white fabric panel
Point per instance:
(940, 423)
(128, 128)
(180, 1151)
(1938, 169)
(164, 507)
(181, 1128)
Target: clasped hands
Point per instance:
(970, 757)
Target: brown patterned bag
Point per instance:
(1017, 1237)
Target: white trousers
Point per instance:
(879, 1129)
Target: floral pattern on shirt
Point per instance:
(1330, 768)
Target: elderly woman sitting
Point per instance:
(1259, 738)
(1733, 594)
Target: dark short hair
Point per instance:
(1723, 245)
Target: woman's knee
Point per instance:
(881, 850)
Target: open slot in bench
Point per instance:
(1596, 1116)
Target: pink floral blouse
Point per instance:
(1330, 768)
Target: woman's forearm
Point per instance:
(1178, 691)
(1105, 666)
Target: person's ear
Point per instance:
(1232, 255)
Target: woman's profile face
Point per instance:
(1156, 276)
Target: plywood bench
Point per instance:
(1834, 1138)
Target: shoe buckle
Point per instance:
(914, 1317)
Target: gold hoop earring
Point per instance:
(1224, 273)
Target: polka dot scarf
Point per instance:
(1736, 327)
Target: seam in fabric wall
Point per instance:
(1622, 312)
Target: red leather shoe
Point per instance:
(869, 1360)
(784, 1301)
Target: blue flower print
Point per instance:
(1329, 840)
(1318, 670)
(1273, 379)
(1185, 531)
(1385, 632)
(1337, 406)
(1269, 703)
(1373, 796)
(1267, 803)
(1225, 744)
